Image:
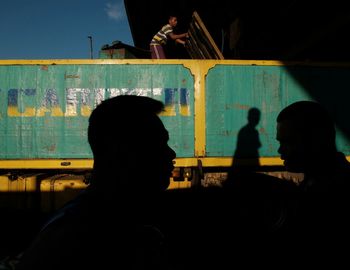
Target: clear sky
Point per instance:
(59, 29)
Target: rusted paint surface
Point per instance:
(44, 110)
(44, 107)
(232, 91)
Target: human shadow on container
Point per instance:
(246, 155)
(258, 196)
(312, 215)
(306, 134)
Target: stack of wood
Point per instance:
(200, 44)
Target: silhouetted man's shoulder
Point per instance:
(259, 183)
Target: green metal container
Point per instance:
(45, 105)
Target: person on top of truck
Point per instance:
(161, 38)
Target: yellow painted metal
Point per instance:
(186, 162)
(59, 189)
(20, 192)
(5, 185)
(227, 162)
(179, 184)
(169, 61)
(88, 163)
(72, 163)
(224, 161)
(47, 164)
(22, 183)
(95, 62)
(27, 183)
(199, 72)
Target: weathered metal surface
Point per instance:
(57, 190)
(44, 106)
(44, 110)
(234, 91)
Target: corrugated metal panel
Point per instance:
(234, 91)
(44, 105)
(44, 109)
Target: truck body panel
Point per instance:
(45, 109)
(45, 105)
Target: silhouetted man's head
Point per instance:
(130, 144)
(306, 134)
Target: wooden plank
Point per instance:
(201, 45)
(192, 51)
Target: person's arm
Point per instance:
(180, 41)
(175, 37)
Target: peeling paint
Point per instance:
(72, 76)
(44, 110)
(81, 101)
(237, 107)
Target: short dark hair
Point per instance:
(118, 115)
(311, 116)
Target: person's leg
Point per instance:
(157, 52)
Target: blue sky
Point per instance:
(59, 29)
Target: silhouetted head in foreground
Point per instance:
(130, 145)
(131, 159)
(306, 135)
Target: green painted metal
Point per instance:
(44, 109)
(232, 91)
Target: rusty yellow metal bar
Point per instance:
(227, 162)
(47, 164)
(224, 161)
(88, 163)
(186, 63)
(199, 70)
(71, 163)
